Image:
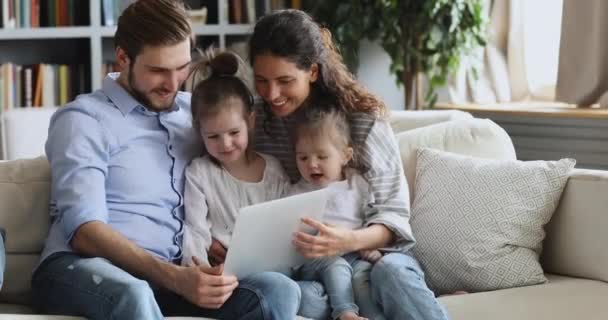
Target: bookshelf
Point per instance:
(89, 43)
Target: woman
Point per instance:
(294, 62)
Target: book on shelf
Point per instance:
(244, 11)
(236, 11)
(18, 14)
(111, 10)
(108, 12)
(285, 4)
(40, 84)
(250, 10)
(198, 16)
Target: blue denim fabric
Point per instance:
(362, 289)
(399, 288)
(393, 289)
(2, 257)
(96, 289)
(335, 273)
(315, 304)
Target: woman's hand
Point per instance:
(217, 253)
(330, 241)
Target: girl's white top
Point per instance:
(349, 200)
(212, 200)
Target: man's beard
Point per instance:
(141, 97)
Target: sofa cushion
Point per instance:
(479, 222)
(474, 137)
(576, 236)
(24, 202)
(24, 131)
(562, 298)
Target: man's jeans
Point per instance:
(395, 285)
(96, 289)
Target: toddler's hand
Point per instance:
(370, 256)
(217, 253)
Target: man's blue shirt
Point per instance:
(112, 160)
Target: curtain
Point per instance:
(519, 62)
(583, 61)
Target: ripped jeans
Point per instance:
(68, 284)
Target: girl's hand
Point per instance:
(217, 253)
(371, 256)
(330, 241)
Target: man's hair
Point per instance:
(152, 23)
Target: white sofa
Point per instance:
(575, 256)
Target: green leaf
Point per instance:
(430, 36)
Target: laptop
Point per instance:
(261, 239)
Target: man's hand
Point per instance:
(217, 253)
(205, 286)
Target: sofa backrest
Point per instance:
(24, 213)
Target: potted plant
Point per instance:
(422, 37)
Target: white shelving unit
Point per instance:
(99, 37)
(93, 46)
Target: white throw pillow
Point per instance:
(479, 222)
(474, 137)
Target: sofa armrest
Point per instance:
(576, 235)
(401, 120)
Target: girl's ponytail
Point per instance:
(218, 76)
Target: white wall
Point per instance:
(374, 64)
(374, 73)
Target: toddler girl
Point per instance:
(323, 157)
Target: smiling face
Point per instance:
(320, 160)
(226, 132)
(281, 83)
(156, 75)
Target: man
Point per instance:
(117, 161)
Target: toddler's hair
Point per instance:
(217, 77)
(316, 122)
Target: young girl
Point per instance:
(323, 157)
(231, 175)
